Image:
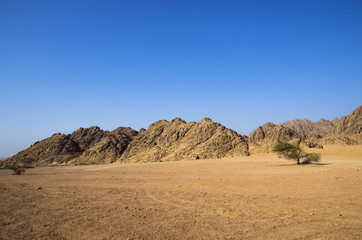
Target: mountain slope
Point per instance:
(306, 127)
(168, 141)
(263, 138)
(89, 145)
(349, 125)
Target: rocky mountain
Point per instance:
(57, 148)
(80, 147)
(349, 125)
(87, 137)
(178, 139)
(347, 131)
(108, 149)
(308, 128)
(168, 141)
(263, 138)
(162, 141)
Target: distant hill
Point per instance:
(108, 149)
(168, 141)
(162, 141)
(178, 139)
(349, 125)
(80, 146)
(308, 128)
(348, 130)
(264, 137)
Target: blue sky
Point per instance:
(70, 64)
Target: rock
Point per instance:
(178, 139)
(308, 128)
(263, 138)
(88, 137)
(109, 149)
(58, 148)
(84, 146)
(349, 125)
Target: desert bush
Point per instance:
(311, 157)
(17, 170)
(295, 152)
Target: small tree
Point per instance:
(21, 165)
(295, 152)
(17, 170)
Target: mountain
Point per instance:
(349, 125)
(80, 147)
(263, 138)
(347, 131)
(162, 141)
(308, 128)
(168, 141)
(108, 149)
(58, 148)
(178, 139)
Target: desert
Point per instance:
(147, 120)
(186, 180)
(254, 197)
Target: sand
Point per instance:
(257, 197)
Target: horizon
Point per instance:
(66, 65)
(169, 120)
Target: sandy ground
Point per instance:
(259, 197)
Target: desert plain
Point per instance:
(254, 197)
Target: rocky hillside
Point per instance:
(308, 128)
(263, 138)
(162, 141)
(349, 125)
(168, 141)
(108, 149)
(78, 147)
(177, 139)
(347, 131)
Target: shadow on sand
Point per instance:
(294, 164)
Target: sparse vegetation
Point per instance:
(16, 169)
(295, 152)
(20, 167)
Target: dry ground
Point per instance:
(259, 197)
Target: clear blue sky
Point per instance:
(70, 64)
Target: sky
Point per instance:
(71, 64)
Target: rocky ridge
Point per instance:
(175, 140)
(264, 137)
(306, 127)
(349, 125)
(178, 139)
(80, 147)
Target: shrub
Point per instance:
(295, 152)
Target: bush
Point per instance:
(16, 169)
(311, 157)
(295, 152)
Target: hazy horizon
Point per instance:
(66, 64)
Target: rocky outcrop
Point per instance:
(88, 137)
(263, 138)
(107, 150)
(308, 128)
(175, 140)
(349, 125)
(58, 148)
(84, 146)
(270, 133)
(125, 131)
(178, 139)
